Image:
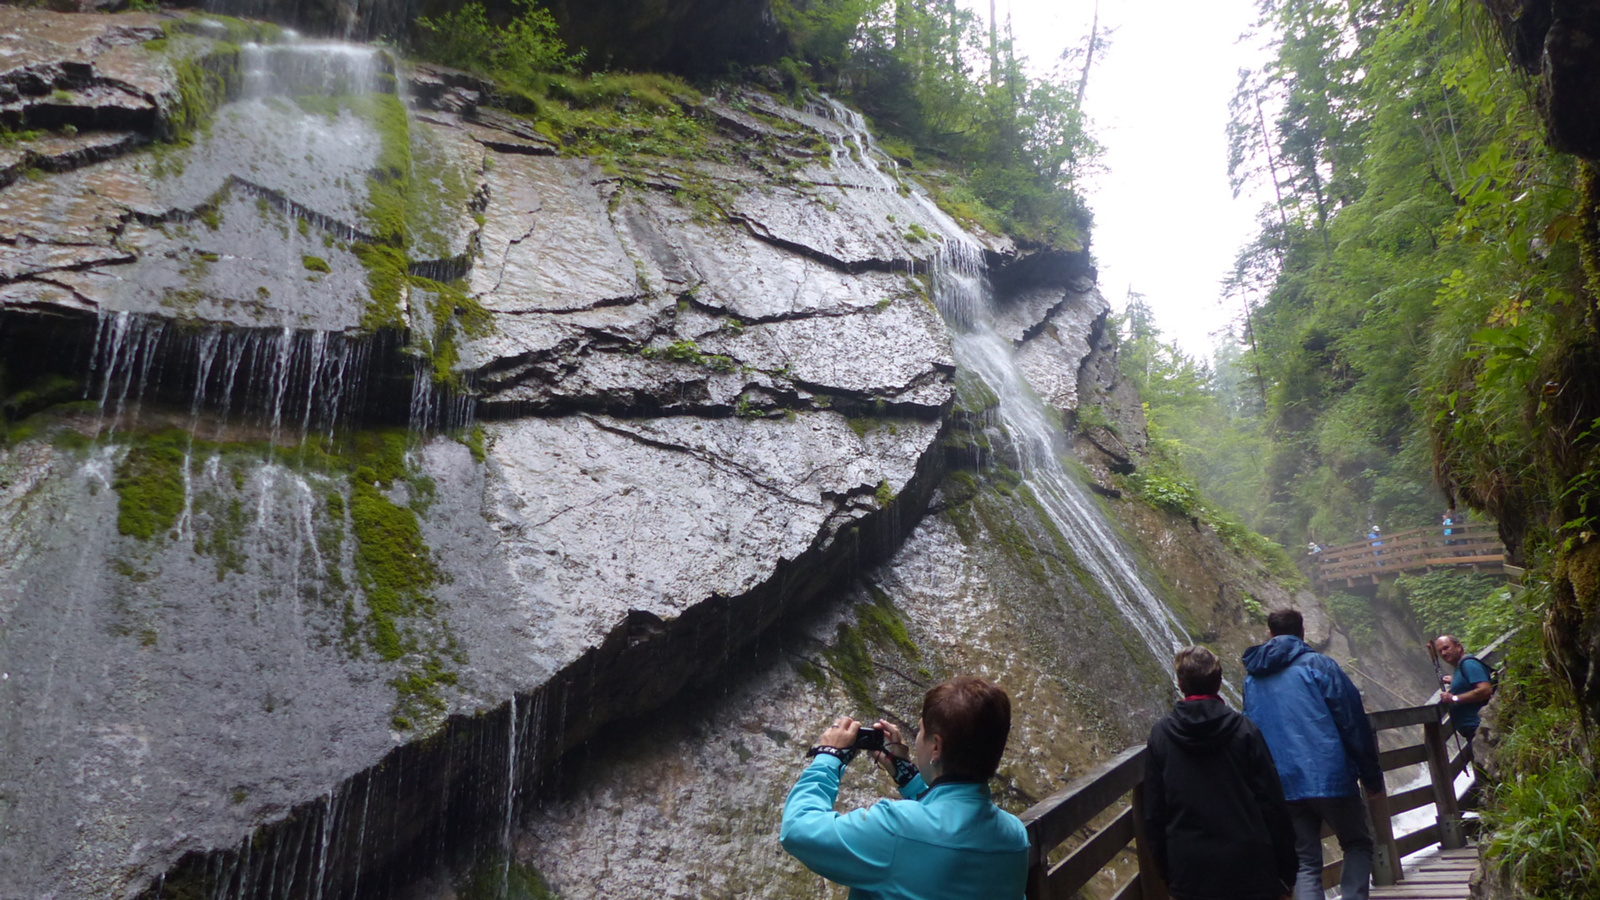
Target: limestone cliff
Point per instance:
(402, 495)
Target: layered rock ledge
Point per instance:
(385, 450)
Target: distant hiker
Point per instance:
(1313, 719)
(947, 839)
(1465, 692)
(1375, 538)
(1450, 520)
(1214, 809)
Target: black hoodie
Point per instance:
(1213, 807)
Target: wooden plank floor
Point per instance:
(1443, 875)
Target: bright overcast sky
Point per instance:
(1166, 223)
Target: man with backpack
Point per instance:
(1316, 726)
(1464, 693)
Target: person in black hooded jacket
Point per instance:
(1214, 811)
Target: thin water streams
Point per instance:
(1036, 432)
(962, 292)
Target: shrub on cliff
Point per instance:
(525, 47)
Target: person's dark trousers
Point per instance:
(1348, 818)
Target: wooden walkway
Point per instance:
(1475, 547)
(1091, 830)
(1444, 875)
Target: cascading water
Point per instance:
(962, 292)
(283, 377)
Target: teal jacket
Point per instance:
(947, 842)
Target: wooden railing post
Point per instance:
(1451, 837)
(1154, 886)
(1386, 867)
(1038, 873)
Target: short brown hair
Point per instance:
(1199, 671)
(974, 718)
(1286, 621)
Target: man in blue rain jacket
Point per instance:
(1314, 722)
(946, 840)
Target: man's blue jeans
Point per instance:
(1348, 818)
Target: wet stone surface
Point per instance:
(699, 409)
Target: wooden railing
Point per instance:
(1115, 790)
(1414, 550)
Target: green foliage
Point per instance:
(879, 631)
(493, 877)
(953, 95)
(526, 46)
(1414, 279)
(1448, 602)
(1354, 614)
(1543, 818)
(314, 263)
(1199, 419)
(387, 283)
(223, 540)
(477, 443)
(1164, 490)
(1548, 827)
(204, 82)
(885, 494)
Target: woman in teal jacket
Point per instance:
(946, 840)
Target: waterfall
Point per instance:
(279, 370)
(962, 292)
(1036, 432)
(324, 68)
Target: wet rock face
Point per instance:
(235, 613)
(1558, 43)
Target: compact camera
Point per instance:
(868, 739)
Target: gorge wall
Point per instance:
(399, 502)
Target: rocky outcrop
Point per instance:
(687, 801)
(670, 461)
(362, 460)
(1557, 42)
(393, 500)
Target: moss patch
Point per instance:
(223, 540)
(386, 283)
(689, 353)
(150, 485)
(879, 632)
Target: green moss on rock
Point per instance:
(150, 485)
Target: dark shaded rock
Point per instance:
(688, 36)
(1117, 439)
(62, 152)
(1558, 43)
(1070, 269)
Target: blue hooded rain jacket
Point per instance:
(1311, 715)
(947, 842)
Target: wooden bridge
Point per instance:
(1090, 830)
(1476, 547)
